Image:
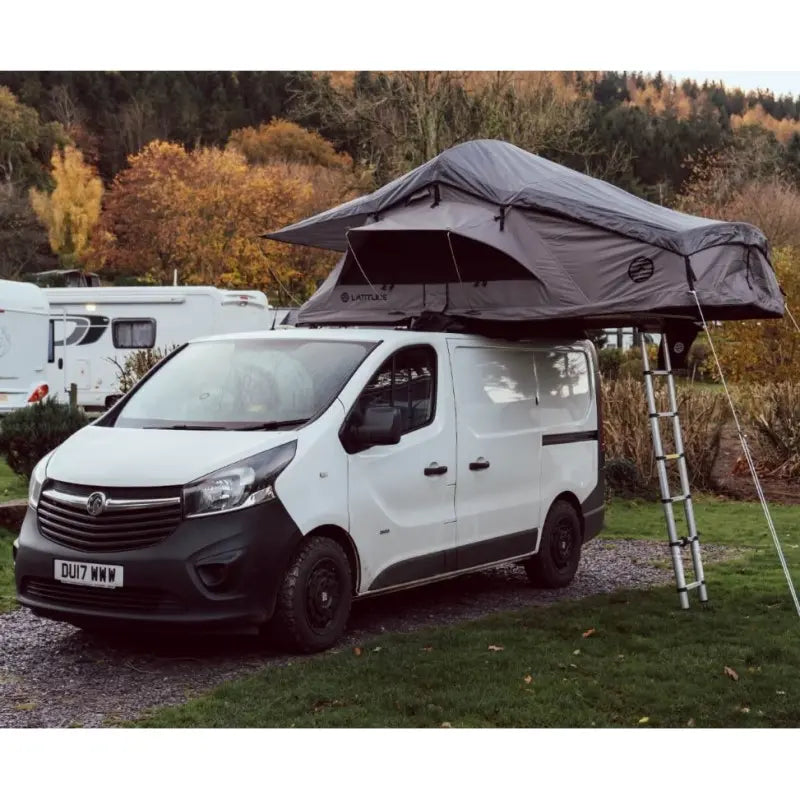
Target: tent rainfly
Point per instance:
(491, 233)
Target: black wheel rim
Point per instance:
(562, 544)
(323, 595)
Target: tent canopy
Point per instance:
(490, 232)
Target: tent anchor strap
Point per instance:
(663, 460)
(749, 458)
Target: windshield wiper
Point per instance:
(272, 426)
(186, 428)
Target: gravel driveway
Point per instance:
(53, 675)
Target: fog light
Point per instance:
(218, 572)
(213, 575)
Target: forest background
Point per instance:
(140, 176)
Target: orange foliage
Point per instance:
(669, 99)
(783, 129)
(281, 140)
(201, 213)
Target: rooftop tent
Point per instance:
(488, 232)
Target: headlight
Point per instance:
(240, 485)
(37, 481)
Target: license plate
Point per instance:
(106, 576)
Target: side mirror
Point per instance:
(381, 425)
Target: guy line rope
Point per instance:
(748, 456)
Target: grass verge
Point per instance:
(629, 659)
(7, 590)
(12, 486)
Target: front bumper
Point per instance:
(242, 554)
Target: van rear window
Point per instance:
(563, 377)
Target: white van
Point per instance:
(92, 327)
(24, 345)
(278, 475)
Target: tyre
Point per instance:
(556, 563)
(314, 598)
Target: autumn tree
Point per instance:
(71, 211)
(747, 182)
(282, 140)
(25, 143)
(201, 213)
(23, 242)
(762, 351)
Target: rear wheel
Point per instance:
(315, 597)
(556, 563)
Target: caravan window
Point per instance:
(133, 333)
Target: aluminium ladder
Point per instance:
(668, 500)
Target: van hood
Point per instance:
(133, 457)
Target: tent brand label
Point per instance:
(641, 269)
(349, 297)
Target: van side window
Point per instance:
(406, 380)
(496, 388)
(133, 333)
(563, 377)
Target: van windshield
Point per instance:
(244, 384)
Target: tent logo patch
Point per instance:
(377, 297)
(641, 269)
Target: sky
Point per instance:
(779, 83)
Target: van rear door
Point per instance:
(498, 452)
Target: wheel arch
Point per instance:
(570, 498)
(345, 541)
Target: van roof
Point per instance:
(22, 296)
(152, 294)
(363, 334)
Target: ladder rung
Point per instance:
(684, 541)
(657, 372)
(669, 457)
(694, 585)
(664, 414)
(679, 499)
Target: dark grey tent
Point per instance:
(491, 233)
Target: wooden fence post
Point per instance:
(73, 395)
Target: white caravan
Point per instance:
(272, 477)
(24, 346)
(93, 327)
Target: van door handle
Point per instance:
(481, 463)
(435, 469)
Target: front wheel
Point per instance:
(315, 597)
(556, 563)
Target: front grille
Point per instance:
(130, 521)
(145, 601)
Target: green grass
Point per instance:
(12, 487)
(646, 664)
(719, 521)
(7, 590)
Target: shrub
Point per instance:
(30, 433)
(623, 479)
(136, 365)
(627, 429)
(610, 360)
(771, 415)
